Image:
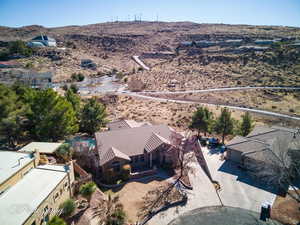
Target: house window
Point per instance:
(46, 209)
(116, 166)
(142, 158)
(136, 159)
(56, 196)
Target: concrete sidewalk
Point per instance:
(237, 188)
(203, 194)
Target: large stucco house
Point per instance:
(30, 194)
(141, 145)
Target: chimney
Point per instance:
(37, 157)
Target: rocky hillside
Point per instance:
(165, 48)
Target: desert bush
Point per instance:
(20, 48)
(87, 189)
(74, 88)
(56, 221)
(136, 85)
(78, 77)
(68, 207)
(125, 172)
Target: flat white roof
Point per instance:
(11, 162)
(61, 168)
(21, 200)
(43, 147)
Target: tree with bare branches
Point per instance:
(181, 159)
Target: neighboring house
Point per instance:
(31, 194)
(140, 146)
(29, 78)
(42, 41)
(255, 147)
(121, 124)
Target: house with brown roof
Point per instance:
(120, 124)
(255, 147)
(142, 146)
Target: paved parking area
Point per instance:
(237, 188)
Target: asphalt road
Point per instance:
(220, 89)
(259, 111)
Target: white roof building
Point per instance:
(11, 162)
(42, 147)
(21, 200)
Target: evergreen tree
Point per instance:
(93, 117)
(246, 125)
(51, 116)
(74, 99)
(202, 120)
(12, 116)
(224, 124)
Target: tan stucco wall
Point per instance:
(17, 176)
(63, 194)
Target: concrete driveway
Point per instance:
(237, 188)
(203, 194)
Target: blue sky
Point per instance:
(53, 13)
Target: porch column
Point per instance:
(150, 159)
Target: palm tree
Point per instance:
(111, 211)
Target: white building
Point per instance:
(42, 41)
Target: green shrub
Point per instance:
(65, 87)
(87, 189)
(68, 207)
(56, 221)
(78, 77)
(19, 47)
(125, 172)
(65, 152)
(74, 88)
